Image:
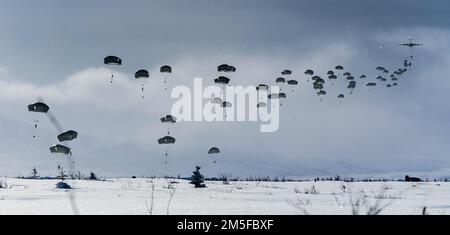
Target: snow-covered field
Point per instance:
(134, 196)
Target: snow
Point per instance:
(133, 196)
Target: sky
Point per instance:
(54, 50)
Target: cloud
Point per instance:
(369, 132)
(118, 130)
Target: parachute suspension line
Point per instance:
(166, 156)
(35, 128)
(222, 92)
(165, 84)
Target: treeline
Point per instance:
(337, 178)
(72, 176)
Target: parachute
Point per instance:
(67, 136)
(339, 67)
(341, 96)
(318, 86)
(262, 87)
(114, 61)
(168, 119)
(214, 151)
(309, 72)
(226, 104)
(319, 80)
(286, 72)
(222, 80)
(226, 68)
(315, 78)
(223, 68)
(332, 77)
(142, 75)
(261, 105)
(60, 149)
(166, 140)
(165, 69)
(38, 107)
(322, 92)
(292, 83)
(280, 80)
(351, 86)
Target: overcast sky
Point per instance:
(55, 49)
